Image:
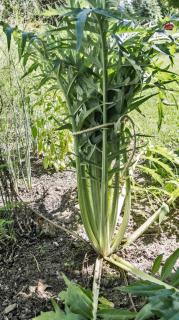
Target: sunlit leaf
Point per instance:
(157, 264)
(169, 264)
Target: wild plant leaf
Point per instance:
(161, 302)
(160, 115)
(66, 126)
(165, 306)
(175, 100)
(25, 36)
(52, 315)
(166, 153)
(151, 172)
(140, 101)
(145, 313)
(2, 166)
(159, 49)
(169, 265)
(34, 131)
(107, 14)
(77, 299)
(115, 314)
(57, 316)
(157, 264)
(9, 206)
(104, 303)
(174, 278)
(174, 195)
(175, 316)
(165, 166)
(8, 31)
(32, 68)
(142, 288)
(171, 185)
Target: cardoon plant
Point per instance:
(106, 66)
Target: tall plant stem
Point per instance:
(103, 222)
(96, 285)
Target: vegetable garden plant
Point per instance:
(105, 66)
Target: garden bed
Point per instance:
(42, 253)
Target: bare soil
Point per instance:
(42, 252)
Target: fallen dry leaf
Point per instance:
(39, 290)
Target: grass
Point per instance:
(148, 124)
(169, 132)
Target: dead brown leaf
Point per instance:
(39, 290)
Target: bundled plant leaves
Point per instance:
(104, 64)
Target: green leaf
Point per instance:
(34, 131)
(80, 24)
(169, 265)
(105, 303)
(160, 114)
(77, 299)
(84, 115)
(2, 166)
(24, 41)
(72, 316)
(174, 278)
(66, 126)
(175, 317)
(157, 264)
(152, 173)
(140, 101)
(165, 305)
(57, 314)
(166, 153)
(115, 314)
(145, 313)
(165, 166)
(142, 288)
(174, 195)
(8, 31)
(51, 315)
(33, 67)
(107, 14)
